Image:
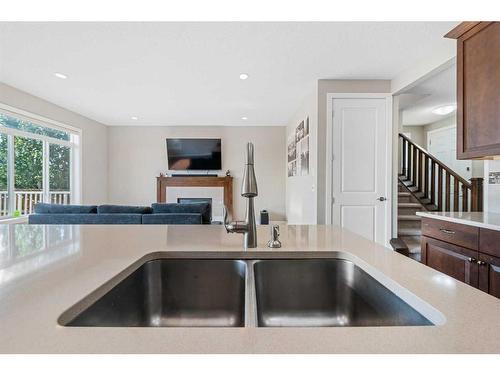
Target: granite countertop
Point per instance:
(486, 220)
(44, 270)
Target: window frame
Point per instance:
(74, 144)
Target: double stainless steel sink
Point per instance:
(237, 293)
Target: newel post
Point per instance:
(476, 194)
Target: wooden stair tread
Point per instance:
(409, 232)
(410, 205)
(409, 217)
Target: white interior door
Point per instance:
(359, 175)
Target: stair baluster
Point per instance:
(403, 157)
(455, 194)
(420, 170)
(432, 185)
(440, 188)
(426, 177)
(465, 199)
(447, 192)
(409, 163)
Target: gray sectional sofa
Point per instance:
(158, 213)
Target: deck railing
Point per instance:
(25, 200)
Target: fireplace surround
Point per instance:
(218, 189)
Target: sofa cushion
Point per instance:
(119, 209)
(184, 208)
(183, 218)
(85, 219)
(48, 208)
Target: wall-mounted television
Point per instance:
(194, 154)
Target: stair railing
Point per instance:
(427, 175)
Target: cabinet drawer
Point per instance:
(489, 242)
(457, 234)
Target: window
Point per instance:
(29, 127)
(4, 196)
(28, 173)
(37, 164)
(59, 173)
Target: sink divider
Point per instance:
(250, 297)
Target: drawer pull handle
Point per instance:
(447, 231)
(472, 260)
(481, 263)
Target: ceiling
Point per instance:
(418, 102)
(188, 73)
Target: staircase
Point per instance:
(408, 222)
(426, 184)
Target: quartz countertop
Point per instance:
(44, 270)
(486, 220)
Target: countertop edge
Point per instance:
(465, 221)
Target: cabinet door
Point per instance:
(478, 90)
(489, 242)
(489, 274)
(455, 261)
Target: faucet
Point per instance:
(249, 191)
(274, 242)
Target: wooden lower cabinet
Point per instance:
(477, 264)
(489, 274)
(452, 260)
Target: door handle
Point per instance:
(381, 199)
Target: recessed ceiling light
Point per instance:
(444, 110)
(243, 76)
(244, 118)
(60, 75)
(135, 118)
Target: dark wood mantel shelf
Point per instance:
(196, 181)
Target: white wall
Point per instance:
(441, 59)
(93, 141)
(301, 199)
(491, 192)
(137, 155)
(417, 134)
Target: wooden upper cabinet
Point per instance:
(478, 89)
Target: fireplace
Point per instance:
(197, 200)
(218, 191)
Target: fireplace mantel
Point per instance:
(195, 181)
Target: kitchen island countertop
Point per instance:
(44, 270)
